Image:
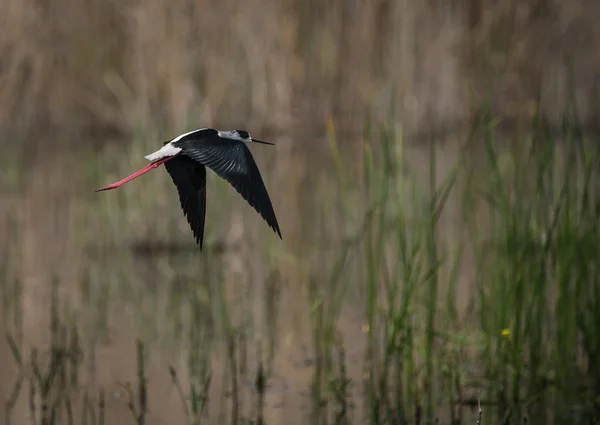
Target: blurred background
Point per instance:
(435, 181)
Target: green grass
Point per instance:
(543, 285)
(526, 344)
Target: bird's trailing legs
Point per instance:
(144, 170)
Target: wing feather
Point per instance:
(233, 161)
(190, 179)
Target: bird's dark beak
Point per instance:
(264, 143)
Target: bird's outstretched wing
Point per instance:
(233, 161)
(190, 178)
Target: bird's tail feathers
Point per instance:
(166, 150)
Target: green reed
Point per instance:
(537, 286)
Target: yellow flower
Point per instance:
(505, 332)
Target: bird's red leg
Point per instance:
(136, 174)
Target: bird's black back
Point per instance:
(232, 161)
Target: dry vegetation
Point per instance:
(376, 304)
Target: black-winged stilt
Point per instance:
(226, 153)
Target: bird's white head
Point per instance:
(240, 135)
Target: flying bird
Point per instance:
(226, 153)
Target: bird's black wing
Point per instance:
(190, 178)
(233, 161)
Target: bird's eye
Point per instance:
(243, 134)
